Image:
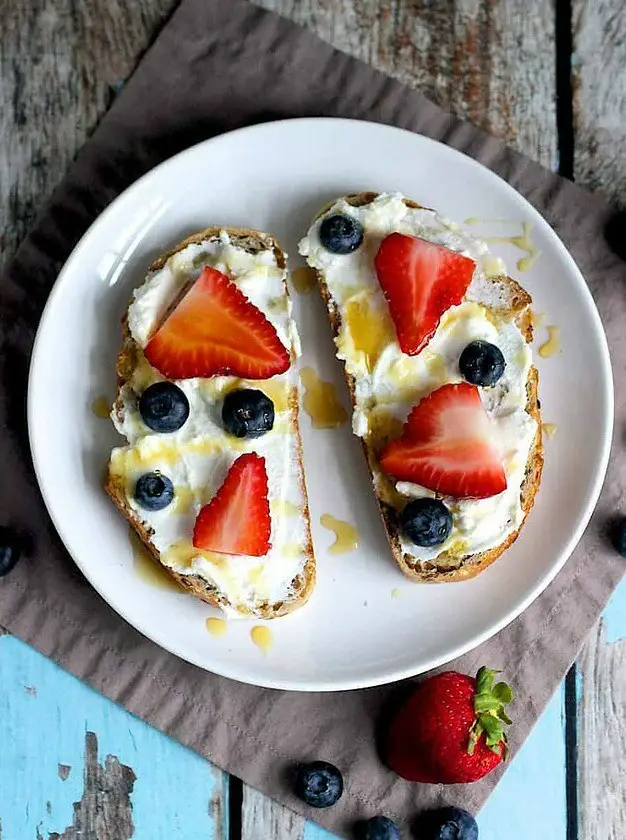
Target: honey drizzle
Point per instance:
(549, 429)
(147, 569)
(304, 279)
(262, 637)
(370, 331)
(320, 401)
(101, 407)
(216, 627)
(553, 344)
(346, 535)
(522, 242)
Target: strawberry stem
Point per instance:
(489, 706)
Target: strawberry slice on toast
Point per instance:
(447, 446)
(215, 330)
(237, 519)
(421, 281)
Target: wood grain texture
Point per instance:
(262, 818)
(602, 737)
(61, 63)
(599, 91)
(105, 809)
(489, 61)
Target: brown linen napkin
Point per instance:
(219, 64)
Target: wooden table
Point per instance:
(72, 764)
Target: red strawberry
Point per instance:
(237, 519)
(447, 446)
(451, 730)
(421, 281)
(214, 329)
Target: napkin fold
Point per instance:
(219, 65)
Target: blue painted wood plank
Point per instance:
(530, 799)
(44, 716)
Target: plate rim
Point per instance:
(385, 675)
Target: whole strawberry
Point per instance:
(451, 730)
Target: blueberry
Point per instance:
(247, 413)
(164, 407)
(319, 784)
(618, 535)
(341, 234)
(9, 550)
(482, 363)
(446, 824)
(377, 828)
(154, 491)
(426, 522)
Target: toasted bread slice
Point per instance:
(241, 586)
(503, 300)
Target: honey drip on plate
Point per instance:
(146, 568)
(396, 593)
(216, 627)
(262, 637)
(370, 331)
(346, 535)
(304, 279)
(549, 429)
(101, 407)
(522, 242)
(320, 401)
(552, 345)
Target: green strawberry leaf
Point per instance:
(491, 717)
(484, 679)
(504, 717)
(503, 692)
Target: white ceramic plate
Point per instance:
(353, 632)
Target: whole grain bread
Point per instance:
(513, 302)
(129, 357)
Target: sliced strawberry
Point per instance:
(237, 519)
(421, 281)
(214, 329)
(447, 446)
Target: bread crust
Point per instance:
(445, 567)
(303, 584)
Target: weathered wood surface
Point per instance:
(263, 818)
(60, 65)
(599, 87)
(105, 806)
(602, 735)
(491, 61)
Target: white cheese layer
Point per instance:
(389, 383)
(197, 457)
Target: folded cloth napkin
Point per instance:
(217, 65)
